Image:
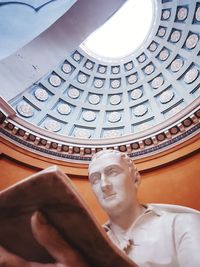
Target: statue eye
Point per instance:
(95, 179)
(112, 172)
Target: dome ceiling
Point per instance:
(143, 103)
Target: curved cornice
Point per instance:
(170, 134)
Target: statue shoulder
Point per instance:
(173, 208)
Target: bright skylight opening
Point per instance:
(123, 33)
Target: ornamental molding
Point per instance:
(150, 142)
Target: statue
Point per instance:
(151, 235)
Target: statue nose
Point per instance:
(105, 184)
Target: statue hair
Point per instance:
(124, 156)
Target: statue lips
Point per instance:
(109, 196)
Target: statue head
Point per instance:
(114, 179)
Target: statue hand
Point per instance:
(8, 259)
(48, 237)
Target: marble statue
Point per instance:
(152, 235)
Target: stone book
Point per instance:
(51, 192)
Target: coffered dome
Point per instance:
(143, 103)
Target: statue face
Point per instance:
(113, 182)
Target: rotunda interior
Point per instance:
(136, 90)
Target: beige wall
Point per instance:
(177, 183)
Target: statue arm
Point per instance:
(187, 239)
